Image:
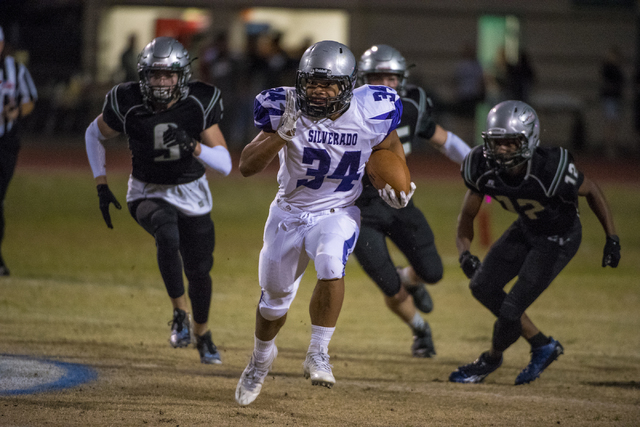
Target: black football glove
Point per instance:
(178, 136)
(426, 127)
(611, 255)
(469, 263)
(106, 197)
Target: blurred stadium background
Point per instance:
(73, 48)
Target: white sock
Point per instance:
(320, 338)
(262, 349)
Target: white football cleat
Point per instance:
(316, 366)
(252, 378)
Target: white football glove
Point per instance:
(287, 128)
(388, 194)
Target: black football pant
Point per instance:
(409, 230)
(8, 159)
(180, 239)
(535, 259)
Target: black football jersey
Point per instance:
(415, 104)
(547, 197)
(125, 111)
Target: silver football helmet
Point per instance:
(326, 62)
(511, 122)
(380, 59)
(164, 54)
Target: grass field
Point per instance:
(85, 294)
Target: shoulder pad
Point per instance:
(473, 167)
(119, 100)
(207, 95)
(378, 104)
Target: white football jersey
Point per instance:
(322, 167)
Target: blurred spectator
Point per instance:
(220, 67)
(611, 88)
(280, 71)
(469, 82)
(18, 95)
(70, 106)
(520, 78)
(129, 60)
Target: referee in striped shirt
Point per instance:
(17, 98)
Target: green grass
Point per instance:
(80, 291)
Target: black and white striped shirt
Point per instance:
(16, 85)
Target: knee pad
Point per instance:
(168, 237)
(274, 305)
(152, 214)
(506, 332)
(328, 267)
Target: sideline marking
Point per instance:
(27, 375)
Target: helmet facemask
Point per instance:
(505, 160)
(161, 94)
(323, 107)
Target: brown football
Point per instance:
(385, 167)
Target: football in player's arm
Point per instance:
(542, 186)
(173, 134)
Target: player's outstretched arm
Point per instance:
(600, 207)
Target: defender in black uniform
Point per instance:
(407, 228)
(542, 186)
(173, 133)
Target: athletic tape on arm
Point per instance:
(217, 158)
(95, 149)
(454, 148)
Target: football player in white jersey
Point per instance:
(323, 132)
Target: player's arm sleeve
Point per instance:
(454, 148)
(213, 150)
(95, 150)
